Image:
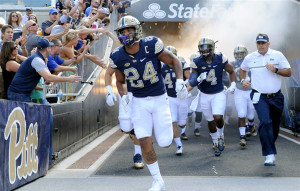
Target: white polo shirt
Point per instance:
(262, 79)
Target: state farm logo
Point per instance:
(154, 11)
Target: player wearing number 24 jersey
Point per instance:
(143, 69)
(138, 62)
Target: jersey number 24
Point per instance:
(133, 76)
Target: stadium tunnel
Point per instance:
(182, 23)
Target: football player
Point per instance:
(124, 115)
(242, 98)
(207, 75)
(178, 107)
(197, 109)
(139, 62)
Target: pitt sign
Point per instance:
(24, 142)
(23, 147)
(180, 11)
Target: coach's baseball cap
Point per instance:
(262, 38)
(53, 11)
(44, 43)
(28, 9)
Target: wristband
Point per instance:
(242, 81)
(276, 70)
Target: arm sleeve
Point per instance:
(38, 64)
(245, 64)
(59, 60)
(193, 79)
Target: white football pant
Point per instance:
(212, 104)
(179, 110)
(244, 104)
(152, 112)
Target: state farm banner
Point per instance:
(177, 11)
(24, 142)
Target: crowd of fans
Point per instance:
(72, 27)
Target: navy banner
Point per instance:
(24, 142)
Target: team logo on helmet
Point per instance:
(172, 49)
(206, 46)
(129, 22)
(240, 52)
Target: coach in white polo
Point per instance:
(267, 66)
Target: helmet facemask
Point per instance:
(239, 56)
(205, 50)
(128, 39)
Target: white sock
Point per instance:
(250, 123)
(137, 149)
(220, 132)
(183, 130)
(242, 131)
(178, 141)
(154, 171)
(197, 125)
(214, 137)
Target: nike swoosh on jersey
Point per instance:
(142, 59)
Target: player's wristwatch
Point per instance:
(276, 70)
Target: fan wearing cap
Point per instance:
(122, 11)
(30, 72)
(49, 24)
(26, 16)
(63, 25)
(267, 66)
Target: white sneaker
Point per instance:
(179, 150)
(158, 185)
(270, 160)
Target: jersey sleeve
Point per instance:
(153, 45)
(224, 60)
(193, 64)
(113, 57)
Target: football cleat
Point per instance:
(183, 136)
(179, 150)
(253, 130)
(138, 162)
(270, 160)
(197, 132)
(243, 142)
(248, 131)
(217, 150)
(221, 143)
(158, 185)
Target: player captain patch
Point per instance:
(203, 67)
(127, 64)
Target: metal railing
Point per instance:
(85, 69)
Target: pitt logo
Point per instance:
(21, 146)
(127, 64)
